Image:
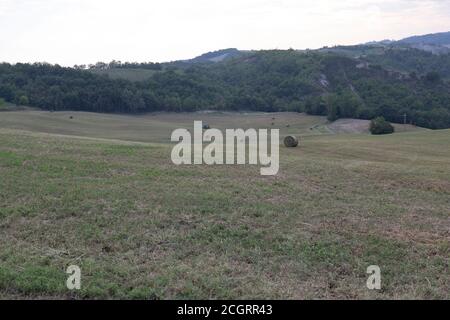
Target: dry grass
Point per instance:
(153, 127)
(140, 227)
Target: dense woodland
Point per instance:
(318, 83)
(413, 61)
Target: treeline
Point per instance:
(120, 65)
(316, 83)
(52, 87)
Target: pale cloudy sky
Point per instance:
(85, 31)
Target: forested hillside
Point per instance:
(412, 61)
(319, 83)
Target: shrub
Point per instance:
(23, 101)
(381, 126)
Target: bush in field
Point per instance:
(381, 126)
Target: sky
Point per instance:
(71, 32)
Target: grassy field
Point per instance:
(157, 127)
(154, 127)
(140, 227)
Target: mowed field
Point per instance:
(101, 192)
(155, 127)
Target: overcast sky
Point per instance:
(86, 31)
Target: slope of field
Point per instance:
(140, 227)
(152, 127)
(157, 127)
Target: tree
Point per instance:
(316, 106)
(433, 77)
(332, 112)
(22, 100)
(381, 126)
(365, 113)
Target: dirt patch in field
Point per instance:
(362, 126)
(350, 126)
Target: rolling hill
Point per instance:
(215, 56)
(442, 39)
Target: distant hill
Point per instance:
(209, 57)
(437, 43)
(143, 71)
(391, 54)
(442, 39)
(216, 56)
(416, 56)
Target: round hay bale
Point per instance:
(291, 142)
